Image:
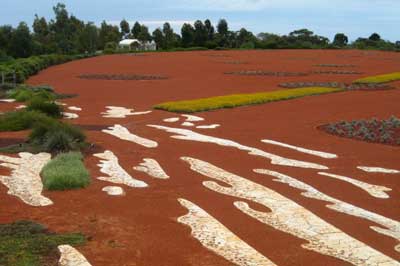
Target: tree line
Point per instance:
(66, 34)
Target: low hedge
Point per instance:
(21, 120)
(47, 107)
(66, 171)
(235, 100)
(26, 67)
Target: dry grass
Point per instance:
(235, 100)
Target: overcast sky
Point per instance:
(356, 18)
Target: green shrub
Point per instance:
(55, 136)
(65, 171)
(25, 243)
(20, 120)
(230, 101)
(23, 93)
(40, 104)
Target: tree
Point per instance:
(187, 33)
(21, 41)
(222, 27)
(108, 33)
(200, 33)
(375, 37)
(125, 29)
(6, 33)
(158, 37)
(144, 34)
(169, 36)
(340, 40)
(245, 37)
(210, 30)
(136, 30)
(89, 38)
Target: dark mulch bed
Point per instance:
(121, 77)
(374, 130)
(366, 86)
(234, 62)
(266, 73)
(337, 72)
(334, 65)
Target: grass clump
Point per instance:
(55, 136)
(25, 243)
(20, 120)
(65, 171)
(235, 100)
(380, 78)
(45, 106)
(23, 93)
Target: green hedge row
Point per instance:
(26, 67)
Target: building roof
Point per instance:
(129, 41)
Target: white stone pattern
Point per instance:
(114, 191)
(24, 181)
(186, 134)
(60, 103)
(374, 190)
(121, 112)
(116, 174)
(287, 216)
(22, 106)
(71, 257)
(152, 168)
(74, 108)
(300, 149)
(124, 134)
(7, 100)
(216, 237)
(378, 170)
(193, 118)
(209, 126)
(187, 124)
(387, 226)
(171, 120)
(70, 115)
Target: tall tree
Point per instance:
(340, 40)
(144, 34)
(200, 33)
(89, 38)
(108, 33)
(374, 37)
(222, 27)
(169, 36)
(210, 29)
(158, 37)
(187, 33)
(136, 29)
(125, 29)
(21, 41)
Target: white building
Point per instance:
(136, 45)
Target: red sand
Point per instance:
(141, 228)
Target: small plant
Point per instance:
(26, 243)
(65, 171)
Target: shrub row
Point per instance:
(360, 86)
(235, 100)
(26, 67)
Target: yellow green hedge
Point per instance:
(380, 78)
(235, 100)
